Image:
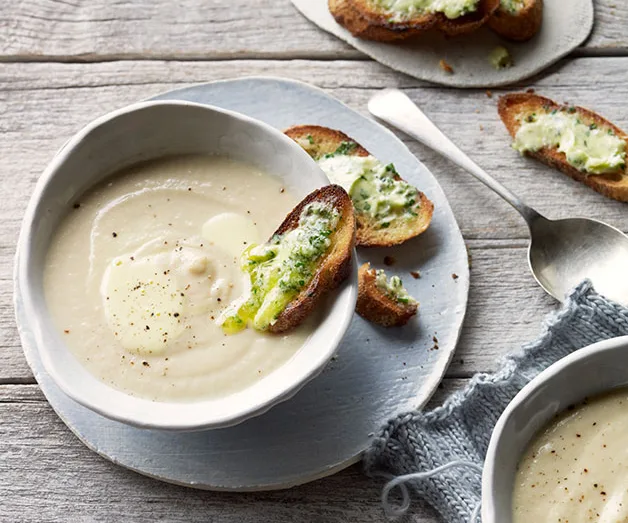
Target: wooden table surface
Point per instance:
(64, 62)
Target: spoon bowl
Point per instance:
(562, 253)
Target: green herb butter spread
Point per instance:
(393, 288)
(281, 268)
(400, 10)
(587, 147)
(372, 186)
(512, 6)
(500, 58)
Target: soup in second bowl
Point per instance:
(576, 469)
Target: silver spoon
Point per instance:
(562, 253)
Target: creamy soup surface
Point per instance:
(576, 469)
(139, 272)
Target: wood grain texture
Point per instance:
(54, 478)
(44, 104)
(94, 30)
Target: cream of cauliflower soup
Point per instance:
(576, 469)
(140, 270)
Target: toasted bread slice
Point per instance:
(375, 305)
(513, 107)
(375, 16)
(319, 141)
(360, 27)
(517, 22)
(333, 268)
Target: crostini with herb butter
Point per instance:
(382, 300)
(574, 140)
(351, 19)
(517, 20)
(389, 20)
(308, 255)
(388, 210)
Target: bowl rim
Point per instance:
(589, 352)
(30, 323)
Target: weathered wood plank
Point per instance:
(19, 394)
(93, 30)
(609, 34)
(80, 486)
(188, 29)
(45, 103)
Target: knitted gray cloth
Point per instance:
(460, 430)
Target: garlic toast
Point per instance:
(376, 20)
(382, 301)
(517, 20)
(594, 149)
(307, 256)
(383, 217)
(360, 27)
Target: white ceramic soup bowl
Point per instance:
(117, 140)
(592, 370)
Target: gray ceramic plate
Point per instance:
(566, 24)
(378, 373)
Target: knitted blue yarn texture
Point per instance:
(460, 430)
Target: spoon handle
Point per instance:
(394, 107)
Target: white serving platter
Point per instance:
(566, 24)
(377, 374)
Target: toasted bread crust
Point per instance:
(360, 27)
(471, 22)
(375, 306)
(379, 18)
(334, 268)
(325, 141)
(364, 20)
(519, 26)
(613, 185)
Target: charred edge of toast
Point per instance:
(611, 185)
(334, 268)
(519, 26)
(360, 27)
(327, 140)
(377, 18)
(420, 24)
(324, 135)
(375, 306)
(471, 22)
